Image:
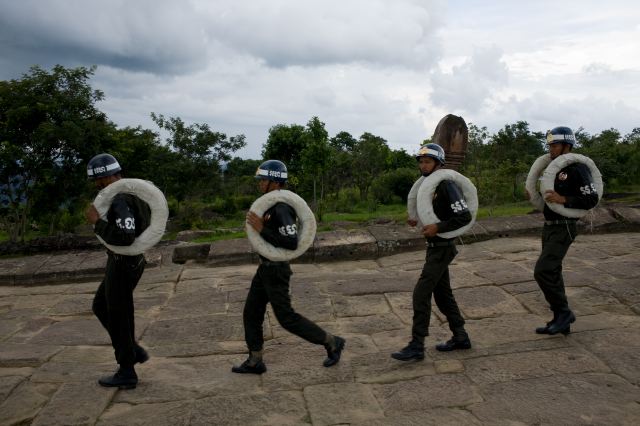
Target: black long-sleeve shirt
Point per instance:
(280, 228)
(576, 184)
(450, 207)
(127, 218)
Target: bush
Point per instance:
(393, 186)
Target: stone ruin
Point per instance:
(452, 134)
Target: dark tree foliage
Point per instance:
(49, 128)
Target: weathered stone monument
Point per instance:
(452, 134)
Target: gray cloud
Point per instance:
(159, 37)
(377, 66)
(471, 85)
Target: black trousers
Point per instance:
(434, 280)
(270, 284)
(556, 240)
(113, 304)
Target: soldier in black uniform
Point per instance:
(271, 281)
(127, 218)
(451, 208)
(574, 188)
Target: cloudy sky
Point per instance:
(389, 67)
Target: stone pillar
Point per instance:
(452, 134)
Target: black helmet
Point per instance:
(103, 165)
(272, 170)
(561, 134)
(432, 150)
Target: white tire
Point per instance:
(306, 225)
(425, 199)
(412, 202)
(531, 185)
(549, 176)
(148, 193)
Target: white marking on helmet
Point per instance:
(434, 152)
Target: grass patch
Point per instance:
(221, 236)
(397, 212)
(510, 209)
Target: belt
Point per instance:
(441, 244)
(272, 263)
(560, 222)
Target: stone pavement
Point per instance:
(189, 317)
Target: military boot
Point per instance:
(563, 323)
(247, 368)
(124, 378)
(334, 351)
(141, 355)
(460, 340)
(414, 350)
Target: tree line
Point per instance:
(50, 127)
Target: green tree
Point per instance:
(370, 161)
(286, 143)
(49, 128)
(200, 151)
(316, 157)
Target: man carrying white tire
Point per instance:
(278, 227)
(573, 188)
(451, 209)
(128, 216)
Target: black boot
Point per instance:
(124, 378)
(414, 350)
(141, 355)
(334, 353)
(454, 343)
(563, 323)
(247, 368)
(545, 329)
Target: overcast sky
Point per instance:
(392, 68)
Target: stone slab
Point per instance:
(374, 284)
(599, 219)
(341, 403)
(486, 301)
(25, 355)
(504, 227)
(75, 404)
(165, 380)
(7, 384)
(445, 390)
(450, 416)
(501, 271)
(293, 364)
(176, 413)
(369, 324)
(231, 252)
(269, 409)
(342, 244)
(206, 328)
(528, 365)
(628, 215)
(79, 332)
(618, 348)
(24, 403)
(394, 239)
(380, 368)
(598, 399)
(191, 251)
(353, 306)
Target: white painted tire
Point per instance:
(148, 193)
(531, 185)
(306, 225)
(425, 199)
(549, 176)
(412, 202)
